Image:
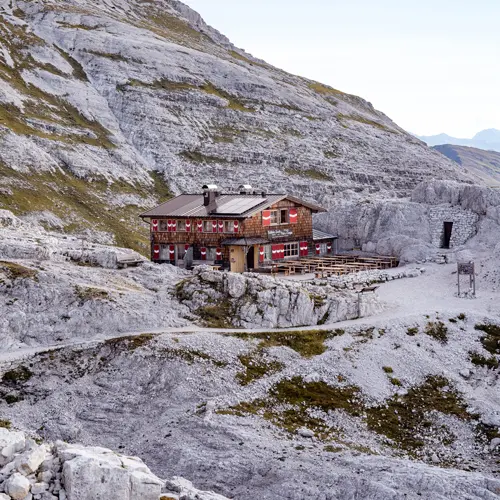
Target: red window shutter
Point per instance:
(188, 226)
(156, 252)
(318, 248)
(218, 254)
(304, 248)
(275, 252)
(174, 226)
(214, 226)
(169, 225)
(171, 252)
(266, 217)
(261, 254)
(221, 226)
(186, 247)
(282, 251)
(329, 247)
(154, 225)
(203, 251)
(200, 226)
(293, 216)
(236, 226)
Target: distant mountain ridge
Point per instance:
(488, 140)
(483, 164)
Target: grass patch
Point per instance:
(325, 90)
(17, 375)
(218, 315)
(200, 158)
(437, 330)
(191, 356)
(462, 317)
(81, 202)
(18, 272)
(256, 367)
(365, 121)
(310, 174)
(406, 419)
(477, 359)
(130, 343)
(307, 343)
(244, 59)
(387, 369)
(86, 294)
(490, 341)
(412, 331)
(233, 102)
(395, 381)
(10, 399)
(290, 400)
(5, 424)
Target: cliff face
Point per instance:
(115, 104)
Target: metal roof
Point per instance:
(320, 235)
(226, 205)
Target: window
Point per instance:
(291, 250)
(181, 225)
(163, 225)
(208, 226)
(229, 226)
(284, 216)
(268, 252)
(279, 217)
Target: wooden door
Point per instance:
(237, 259)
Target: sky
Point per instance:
(432, 66)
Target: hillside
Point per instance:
(488, 139)
(107, 107)
(483, 164)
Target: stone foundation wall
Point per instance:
(464, 224)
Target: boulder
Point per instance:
(17, 486)
(11, 442)
(29, 461)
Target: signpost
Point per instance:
(467, 269)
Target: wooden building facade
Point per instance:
(239, 232)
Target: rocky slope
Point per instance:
(406, 408)
(483, 164)
(106, 107)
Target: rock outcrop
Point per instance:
(64, 471)
(224, 299)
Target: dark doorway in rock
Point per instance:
(448, 227)
(250, 258)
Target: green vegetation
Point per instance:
(366, 121)
(395, 381)
(130, 343)
(16, 271)
(10, 399)
(307, 343)
(202, 159)
(289, 402)
(191, 356)
(86, 294)
(108, 55)
(256, 367)
(462, 317)
(218, 315)
(331, 154)
(5, 424)
(76, 26)
(412, 331)
(490, 341)
(480, 360)
(437, 330)
(309, 173)
(244, 59)
(325, 90)
(161, 188)
(234, 102)
(17, 375)
(82, 203)
(387, 369)
(406, 419)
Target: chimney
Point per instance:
(210, 193)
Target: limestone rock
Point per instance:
(11, 442)
(17, 486)
(29, 461)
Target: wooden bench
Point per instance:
(124, 263)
